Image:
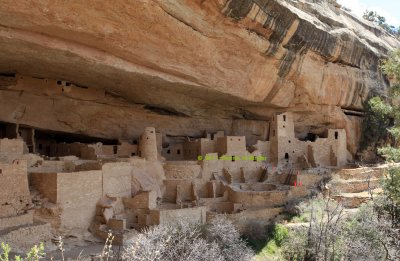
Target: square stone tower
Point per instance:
(282, 139)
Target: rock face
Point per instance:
(186, 66)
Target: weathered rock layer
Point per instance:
(186, 66)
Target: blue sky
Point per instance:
(387, 8)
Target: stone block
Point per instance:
(117, 179)
(147, 200)
(144, 219)
(117, 223)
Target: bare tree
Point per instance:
(365, 235)
(186, 241)
(222, 231)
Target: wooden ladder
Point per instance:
(289, 176)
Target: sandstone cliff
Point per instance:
(184, 66)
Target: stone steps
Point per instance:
(351, 202)
(354, 186)
(361, 173)
(351, 186)
(354, 200)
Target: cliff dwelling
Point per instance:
(131, 185)
(73, 183)
(119, 120)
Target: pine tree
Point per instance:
(391, 109)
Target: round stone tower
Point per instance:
(148, 144)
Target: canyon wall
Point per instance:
(185, 66)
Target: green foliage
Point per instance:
(300, 219)
(376, 122)
(358, 236)
(382, 109)
(391, 154)
(382, 120)
(381, 21)
(270, 247)
(362, 233)
(395, 132)
(392, 65)
(391, 192)
(34, 254)
(389, 207)
(373, 232)
(270, 251)
(280, 234)
(379, 107)
(295, 245)
(5, 252)
(391, 68)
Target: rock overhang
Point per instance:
(215, 60)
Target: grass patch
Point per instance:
(270, 247)
(304, 218)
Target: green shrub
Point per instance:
(5, 252)
(271, 248)
(280, 234)
(34, 254)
